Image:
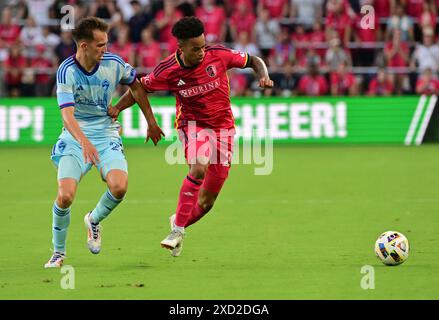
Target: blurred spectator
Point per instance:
(165, 19)
(30, 36)
(427, 83)
(42, 66)
(313, 84)
(286, 82)
(103, 9)
(13, 71)
(123, 47)
(244, 45)
(66, 48)
(306, 11)
(311, 57)
(336, 54)
(413, 7)
(266, 30)
(49, 39)
(427, 19)
(426, 55)
(397, 51)
(19, 9)
(39, 9)
(383, 8)
(148, 53)
(301, 41)
(343, 82)
(399, 20)
(339, 19)
(231, 6)
(127, 9)
(213, 18)
(9, 30)
(382, 84)
(140, 20)
(277, 8)
(283, 51)
(242, 19)
(396, 54)
(317, 39)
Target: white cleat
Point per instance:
(179, 247)
(93, 234)
(174, 239)
(55, 261)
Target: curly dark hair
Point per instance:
(187, 27)
(84, 30)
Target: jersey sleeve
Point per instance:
(64, 88)
(234, 59)
(152, 83)
(128, 75)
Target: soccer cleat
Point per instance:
(93, 234)
(179, 247)
(174, 239)
(56, 260)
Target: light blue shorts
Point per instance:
(68, 157)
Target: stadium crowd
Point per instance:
(312, 47)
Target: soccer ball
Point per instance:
(392, 248)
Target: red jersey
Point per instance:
(213, 22)
(202, 92)
(380, 88)
(342, 82)
(313, 86)
(149, 54)
(432, 86)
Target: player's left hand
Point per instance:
(154, 133)
(113, 112)
(266, 82)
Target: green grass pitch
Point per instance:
(303, 232)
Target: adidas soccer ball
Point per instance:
(392, 248)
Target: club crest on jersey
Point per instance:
(105, 84)
(211, 71)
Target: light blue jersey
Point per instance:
(91, 92)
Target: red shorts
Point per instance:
(214, 145)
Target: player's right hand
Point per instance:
(90, 153)
(154, 133)
(113, 112)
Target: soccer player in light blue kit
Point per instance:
(85, 85)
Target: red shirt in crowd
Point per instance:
(149, 54)
(380, 88)
(9, 34)
(213, 22)
(275, 7)
(313, 86)
(123, 51)
(431, 88)
(342, 82)
(397, 60)
(15, 63)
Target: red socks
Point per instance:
(187, 200)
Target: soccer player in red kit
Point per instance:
(196, 75)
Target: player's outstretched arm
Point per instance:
(126, 101)
(139, 95)
(258, 65)
(88, 150)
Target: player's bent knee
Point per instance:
(65, 198)
(198, 171)
(119, 188)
